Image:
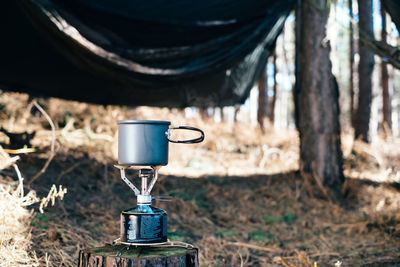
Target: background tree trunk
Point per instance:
(318, 119)
(235, 113)
(221, 114)
(352, 65)
(365, 69)
(262, 99)
(271, 113)
(386, 98)
(296, 89)
(203, 113)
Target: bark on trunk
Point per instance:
(387, 102)
(271, 113)
(365, 68)
(221, 114)
(318, 103)
(138, 256)
(262, 99)
(296, 88)
(352, 65)
(236, 112)
(203, 113)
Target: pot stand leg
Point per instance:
(131, 186)
(153, 181)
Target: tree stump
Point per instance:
(138, 256)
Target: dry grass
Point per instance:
(378, 161)
(247, 206)
(15, 238)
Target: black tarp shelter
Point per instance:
(160, 53)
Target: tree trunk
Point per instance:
(387, 102)
(365, 68)
(221, 114)
(138, 256)
(235, 113)
(318, 103)
(296, 87)
(352, 65)
(271, 113)
(203, 113)
(262, 99)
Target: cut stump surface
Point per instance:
(138, 256)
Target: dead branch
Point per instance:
(20, 179)
(388, 53)
(53, 140)
(7, 161)
(241, 244)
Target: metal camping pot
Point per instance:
(143, 143)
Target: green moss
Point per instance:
(176, 236)
(261, 236)
(288, 218)
(42, 218)
(38, 225)
(203, 204)
(226, 233)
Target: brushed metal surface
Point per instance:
(143, 142)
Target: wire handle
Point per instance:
(190, 141)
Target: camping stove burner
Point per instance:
(143, 224)
(143, 145)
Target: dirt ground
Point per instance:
(237, 196)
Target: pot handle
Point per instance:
(190, 141)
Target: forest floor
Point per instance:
(238, 196)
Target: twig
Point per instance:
(308, 177)
(95, 136)
(344, 225)
(240, 244)
(321, 254)
(20, 179)
(11, 162)
(319, 183)
(51, 196)
(241, 258)
(47, 259)
(53, 140)
(8, 162)
(24, 150)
